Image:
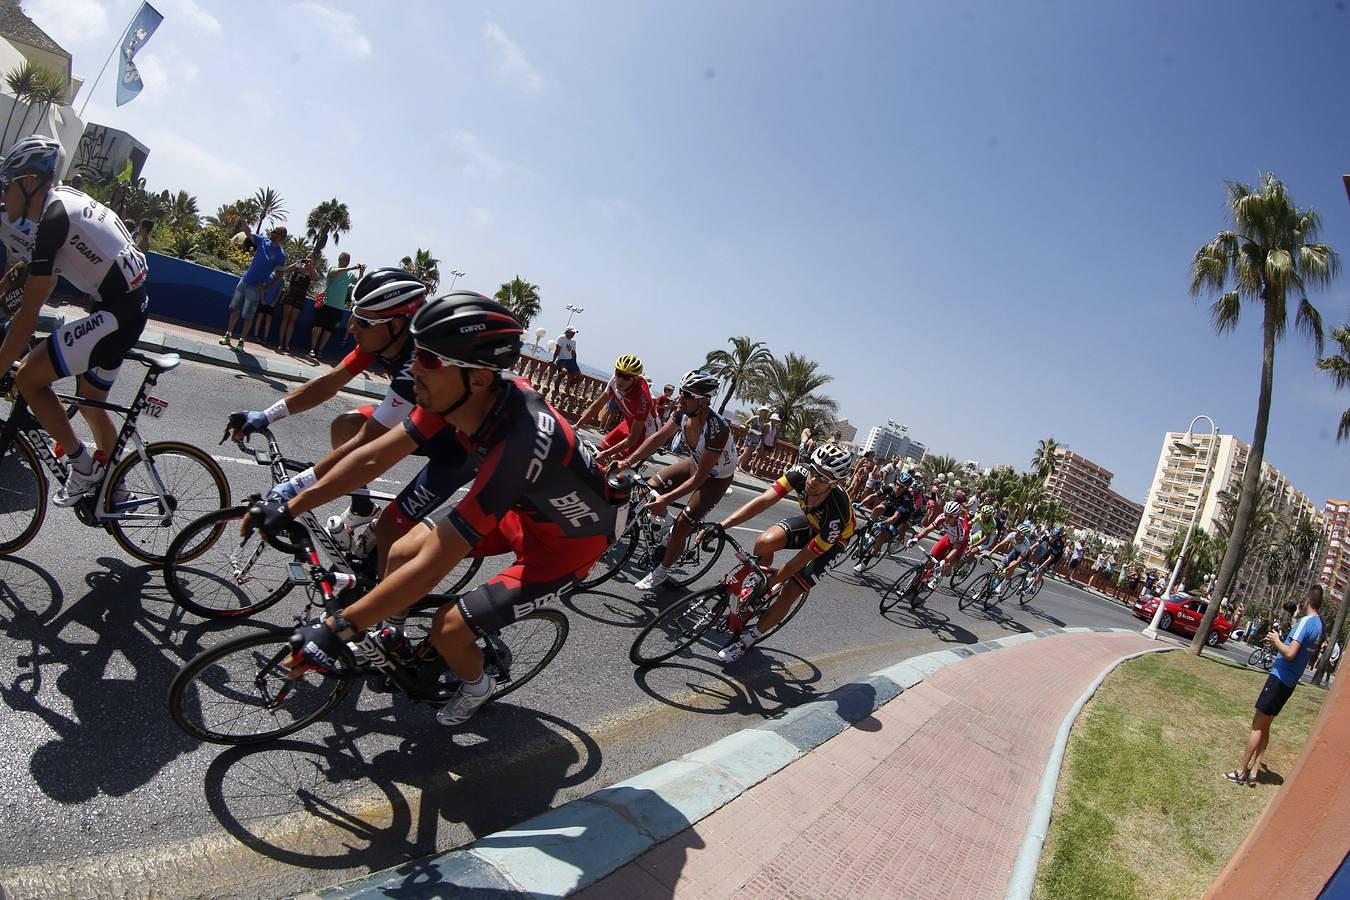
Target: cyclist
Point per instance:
(707, 465)
(1018, 542)
(383, 303)
(53, 231)
(1051, 548)
(983, 530)
(955, 530)
(628, 391)
(820, 530)
(534, 492)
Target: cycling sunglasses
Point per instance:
(624, 375)
(363, 322)
(431, 361)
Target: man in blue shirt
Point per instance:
(268, 255)
(1291, 659)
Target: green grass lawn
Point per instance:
(1142, 808)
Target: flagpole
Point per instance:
(115, 48)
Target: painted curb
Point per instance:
(1029, 857)
(568, 848)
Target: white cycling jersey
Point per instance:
(84, 242)
(715, 438)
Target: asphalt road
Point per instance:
(103, 794)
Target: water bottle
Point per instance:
(396, 645)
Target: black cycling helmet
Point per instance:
(387, 292)
(468, 330)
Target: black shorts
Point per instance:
(328, 317)
(799, 534)
(702, 499)
(266, 310)
(93, 347)
(1273, 696)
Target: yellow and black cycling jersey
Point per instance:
(831, 519)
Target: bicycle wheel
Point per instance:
(1255, 659)
(795, 608)
(23, 496)
(1267, 660)
(1024, 591)
(855, 542)
(964, 568)
(240, 692)
(227, 579)
(695, 562)
(186, 475)
(900, 588)
(678, 625)
(523, 649)
(460, 575)
(618, 553)
(979, 591)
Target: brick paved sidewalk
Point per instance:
(929, 797)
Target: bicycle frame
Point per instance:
(23, 425)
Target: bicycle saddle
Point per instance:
(160, 362)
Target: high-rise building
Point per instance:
(886, 441)
(1335, 569)
(1084, 489)
(846, 430)
(1175, 494)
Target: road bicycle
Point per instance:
(1263, 656)
(641, 540)
(986, 589)
(147, 493)
(246, 691)
(915, 584)
(863, 545)
(242, 575)
(730, 607)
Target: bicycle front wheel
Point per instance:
(964, 568)
(242, 692)
(695, 562)
(979, 591)
(787, 617)
(901, 588)
(618, 553)
(678, 626)
(23, 496)
(180, 475)
(225, 579)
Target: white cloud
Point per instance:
(176, 160)
(69, 21)
(343, 27)
(479, 217)
(511, 61)
(481, 160)
(190, 13)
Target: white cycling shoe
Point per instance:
(77, 485)
(654, 579)
(461, 707)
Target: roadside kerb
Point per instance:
(566, 849)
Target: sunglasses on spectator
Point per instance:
(363, 322)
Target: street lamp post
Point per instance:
(454, 274)
(1188, 446)
(538, 336)
(572, 311)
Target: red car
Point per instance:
(1182, 615)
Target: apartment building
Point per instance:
(1084, 489)
(1175, 494)
(1335, 569)
(887, 442)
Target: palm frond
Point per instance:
(1343, 432)
(1308, 321)
(1225, 311)
(1319, 264)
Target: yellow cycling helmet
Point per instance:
(628, 364)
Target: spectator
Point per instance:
(1098, 569)
(1290, 660)
(267, 256)
(754, 434)
(565, 358)
(142, 235)
(1132, 585)
(271, 293)
(837, 437)
(303, 272)
(663, 402)
(769, 441)
(861, 475)
(1150, 582)
(328, 315)
(805, 444)
(1075, 558)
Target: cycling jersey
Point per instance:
(525, 458)
(1021, 546)
(715, 437)
(398, 400)
(983, 528)
(831, 519)
(634, 404)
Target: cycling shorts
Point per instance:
(1012, 557)
(703, 498)
(93, 347)
(546, 569)
(430, 489)
(800, 532)
(945, 546)
(620, 434)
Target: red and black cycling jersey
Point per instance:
(831, 519)
(526, 458)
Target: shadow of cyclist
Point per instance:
(934, 621)
(763, 683)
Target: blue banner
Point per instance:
(144, 25)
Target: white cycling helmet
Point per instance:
(832, 461)
(699, 383)
(952, 508)
(1025, 529)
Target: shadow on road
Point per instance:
(322, 804)
(763, 683)
(608, 608)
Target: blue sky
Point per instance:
(978, 217)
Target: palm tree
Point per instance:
(49, 88)
(183, 212)
(184, 245)
(1045, 460)
(791, 387)
(935, 464)
(234, 217)
(740, 368)
(329, 219)
(521, 297)
(21, 82)
(1269, 252)
(427, 268)
(271, 206)
(1339, 368)
(1202, 557)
